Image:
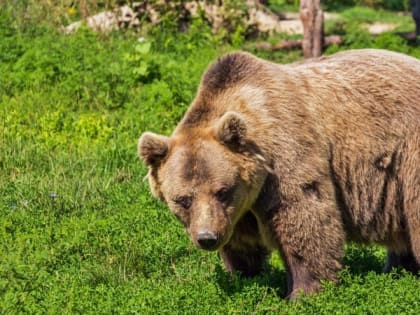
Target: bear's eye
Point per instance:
(223, 194)
(184, 201)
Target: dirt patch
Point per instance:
(378, 27)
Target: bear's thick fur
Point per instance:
(300, 158)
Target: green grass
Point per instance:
(402, 20)
(79, 230)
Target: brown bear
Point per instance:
(298, 158)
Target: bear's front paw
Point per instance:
(305, 289)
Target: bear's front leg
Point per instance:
(299, 278)
(245, 251)
(311, 240)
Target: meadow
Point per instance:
(80, 232)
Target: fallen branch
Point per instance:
(295, 44)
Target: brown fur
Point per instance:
(299, 158)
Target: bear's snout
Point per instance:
(207, 240)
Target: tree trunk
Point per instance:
(312, 19)
(84, 9)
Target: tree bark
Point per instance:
(312, 18)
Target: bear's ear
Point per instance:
(231, 129)
(152, 148)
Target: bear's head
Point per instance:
(209, 177)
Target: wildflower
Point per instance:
(71, 11)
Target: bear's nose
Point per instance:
(207, 240)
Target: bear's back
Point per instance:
(363, 93)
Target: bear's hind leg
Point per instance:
(406, 261)
(412, 208)
(414, 265)
(410, 178)
(245, 251)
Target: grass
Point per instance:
(402, 20)
(79, 230)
